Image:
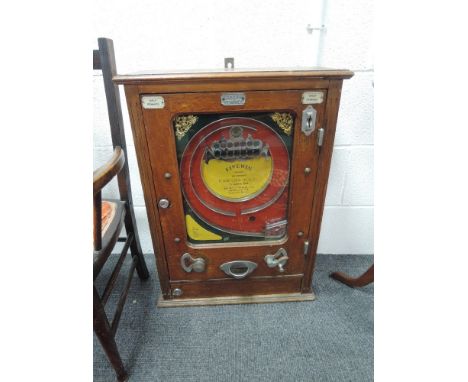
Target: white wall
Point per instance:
(199, 34)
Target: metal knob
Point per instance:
(190, 264)
(279, 259)
(163, 203)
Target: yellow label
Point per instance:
(237, 180)
(196, 232)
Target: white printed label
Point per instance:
(152, 102)
(309, 98)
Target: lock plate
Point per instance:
(309, 115)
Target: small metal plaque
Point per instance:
(309, 98)
(152, 102)
(232, 99)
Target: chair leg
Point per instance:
(366, 278)
(141, 267)
(106, 338)
(135, 247)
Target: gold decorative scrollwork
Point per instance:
(284, 121)
(183, 124)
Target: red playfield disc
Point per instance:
(234, 174)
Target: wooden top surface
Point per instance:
(232, 74)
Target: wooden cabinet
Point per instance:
(234, 167)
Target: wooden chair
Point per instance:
(366, 278)
(111, 215)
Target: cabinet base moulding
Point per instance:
(233, 300)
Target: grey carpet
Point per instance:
(330, 339)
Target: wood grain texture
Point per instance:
(199, 93)
(241, 75)
(200, 86)
(331, 116)
(245, 287)
(161, 139)
(139, 137)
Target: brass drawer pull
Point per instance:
(238, 269)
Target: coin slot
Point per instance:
(239, 269)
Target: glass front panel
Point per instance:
(234, 173)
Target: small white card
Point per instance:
(309, 98)
(152, 102)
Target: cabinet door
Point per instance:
(234, 181)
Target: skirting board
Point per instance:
(232, 300)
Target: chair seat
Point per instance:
(113, 213)
(108, 209)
